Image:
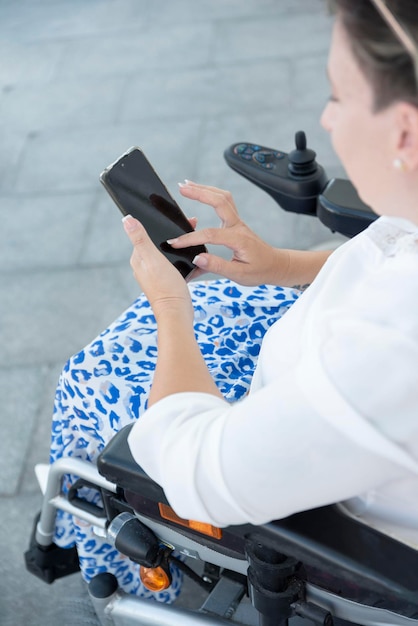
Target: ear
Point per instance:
(406, 119)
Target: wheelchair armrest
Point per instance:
(340, 208)
(117, 465)
(347, 546)
(348, 558)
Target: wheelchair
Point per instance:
(321, 566)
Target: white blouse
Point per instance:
(332, 414)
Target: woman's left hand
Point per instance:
(163, 285)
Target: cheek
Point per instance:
(343, 143)
(358, 150)
(349, 138)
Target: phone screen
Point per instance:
(137, 190)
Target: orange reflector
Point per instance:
(167, 513)
(154, 578)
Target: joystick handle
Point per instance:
(302, 160)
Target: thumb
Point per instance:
(215, 264)
(135, 230)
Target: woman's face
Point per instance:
(361, 138)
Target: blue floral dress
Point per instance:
(105, 386)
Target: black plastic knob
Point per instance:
(302, 160)
(134, 539)
(103, 585)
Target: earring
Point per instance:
(399, 164)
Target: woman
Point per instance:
(331, 412)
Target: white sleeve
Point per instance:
(263, 458)
(378, 381)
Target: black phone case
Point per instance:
(137, 190)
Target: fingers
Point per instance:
(222, 201)
(215, 236)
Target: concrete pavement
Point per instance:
(80, 82)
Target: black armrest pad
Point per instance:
(118, 466)
(328, 535)
(341, 209)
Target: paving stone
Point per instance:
(61, 104)
(38, 450)
(136, 52)
(48, 21)
(71, 160)
(11, 152)
(310, 87)
(43, 231)
(106, 242)
(271, 37)
(27, 63)
(182, 11)
(20, 393)
(47, 316)
(207, 92)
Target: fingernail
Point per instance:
(182, 184)
(171, 241)
(129, 223)
(200, 261)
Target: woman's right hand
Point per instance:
(253, 261)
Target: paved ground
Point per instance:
(80, 82)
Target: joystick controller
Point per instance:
(294, 180)
(299, 184)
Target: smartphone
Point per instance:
(137, 190)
